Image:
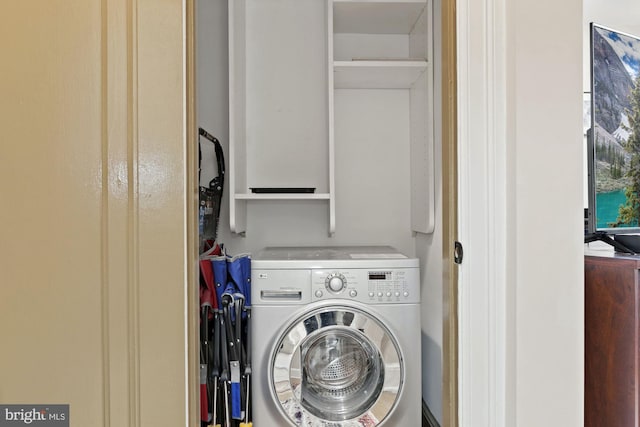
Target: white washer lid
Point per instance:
(326, 253)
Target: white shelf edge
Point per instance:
(282, 196)
(377, 74)
(380, 1)
(381, 64)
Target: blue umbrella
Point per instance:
(219, 265)
(220, 369)
(239, 270)
(238, 288)
(232, 285)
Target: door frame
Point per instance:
(485, 360)
(449, 217)
(192, 195)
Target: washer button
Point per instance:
(380, 294)
(397, 294)
(388, 294)
(371, 294)
(319, 293)
(406, 294)
(353, 293)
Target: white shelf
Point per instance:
(281, 116)
(377, 74)
(376, 16)
(278, 114)
(388, 44)
(283, 196)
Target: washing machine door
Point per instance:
(337, 366)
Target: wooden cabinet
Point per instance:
(612, 386)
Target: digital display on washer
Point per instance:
(379, 275)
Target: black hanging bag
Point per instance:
(210, 196)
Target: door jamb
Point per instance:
(191, 193)
(485, 358)
(449, 216)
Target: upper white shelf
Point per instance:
(377, 74)
(282, 196)
(376, 16)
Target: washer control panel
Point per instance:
(398, 285)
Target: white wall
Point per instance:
(545, 211)
(520, 152)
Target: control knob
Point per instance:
(335, 282)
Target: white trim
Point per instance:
(482, 190)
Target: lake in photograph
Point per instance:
(607, 207)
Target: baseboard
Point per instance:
(428, 420)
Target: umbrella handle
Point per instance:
(224, 376)
(247, 365)
(247, 369)
(214, 368)
(231, 342)
(204, 333)
(215, 365)
(236, 399)
(238, 336)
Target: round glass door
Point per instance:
(337, 366)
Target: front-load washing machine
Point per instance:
(336, 337)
